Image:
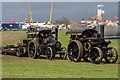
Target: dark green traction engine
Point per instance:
(44, 43)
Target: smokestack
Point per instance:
(101, 25)
(102, 31)
(56, 32)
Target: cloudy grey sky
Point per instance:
(41, 10)
(60, 0)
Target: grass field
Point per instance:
(24, 67)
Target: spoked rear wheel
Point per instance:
(63, 55)
(33, 49)
(96, 55)
(75, 51)
(49, 53)
(112, 55)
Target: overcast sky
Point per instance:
(60, 0)
(41, 10)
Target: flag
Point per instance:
(11, 20)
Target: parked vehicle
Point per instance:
(91, 46)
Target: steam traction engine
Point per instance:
(90, 45)
(44, 43)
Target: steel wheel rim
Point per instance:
(63, 55)
(96, 55)
(73, 51)
(111, 55)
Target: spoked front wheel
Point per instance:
(63, 54)
(112, 55)
(96, 55)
